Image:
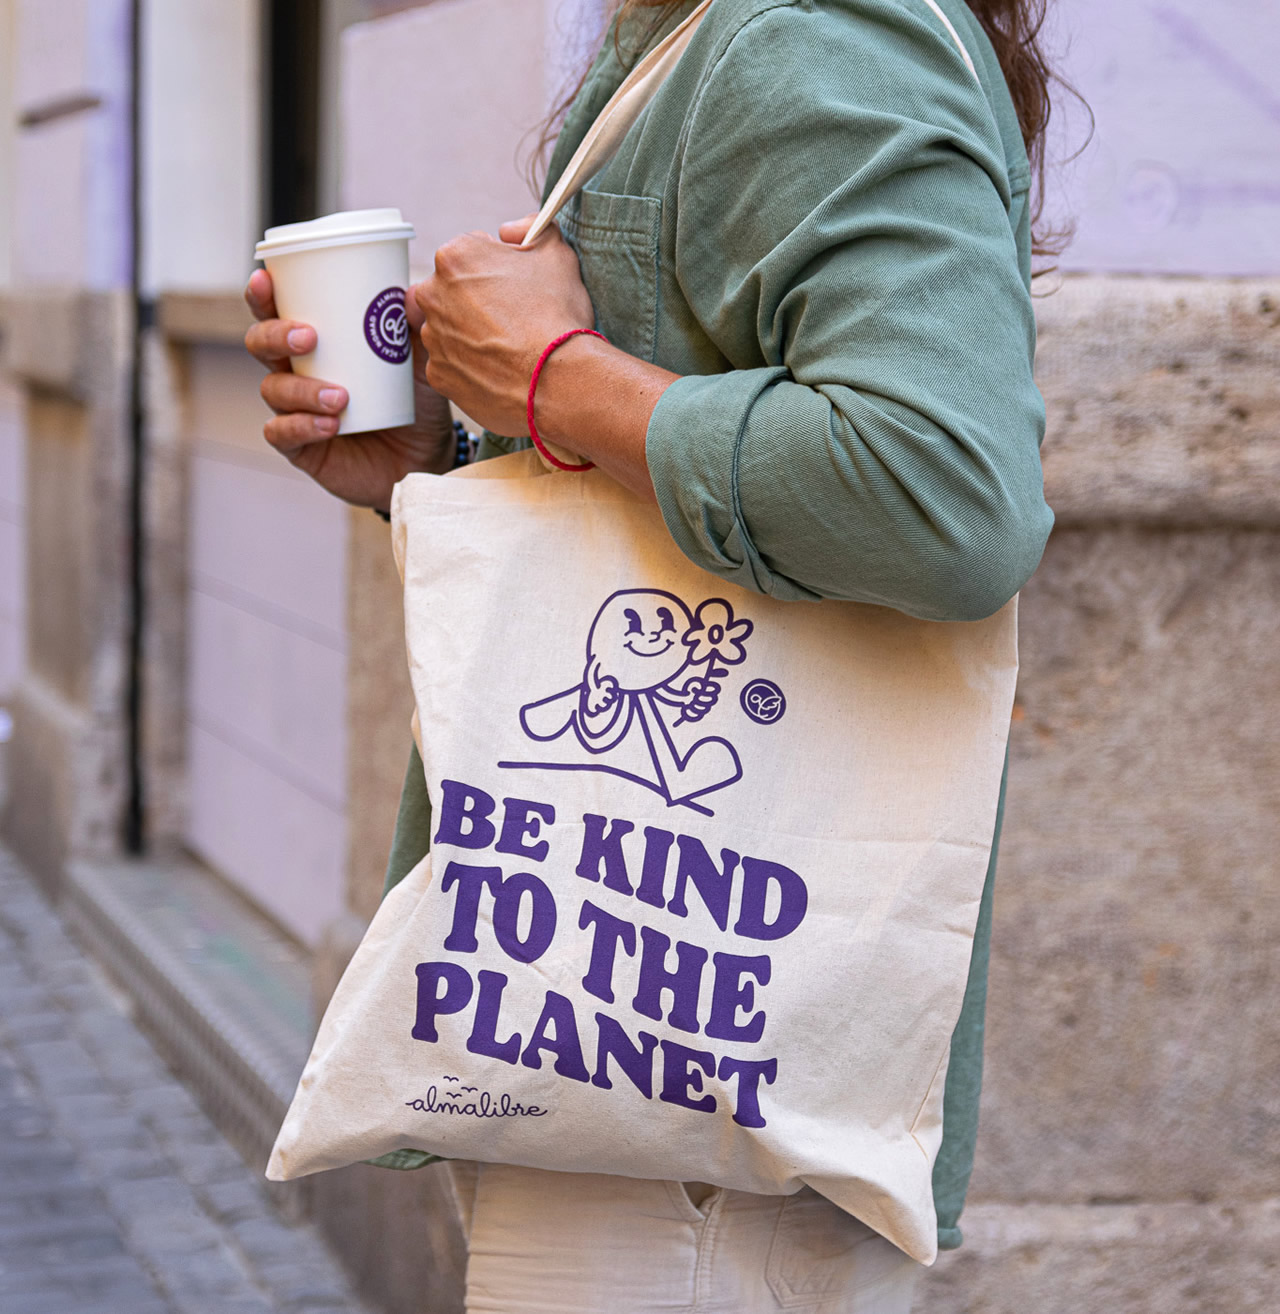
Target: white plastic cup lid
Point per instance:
(346, 228)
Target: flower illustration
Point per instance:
(716, 636)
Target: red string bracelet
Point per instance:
(533, 388)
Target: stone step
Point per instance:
(1122, 1259)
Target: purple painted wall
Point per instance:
(1183, 174)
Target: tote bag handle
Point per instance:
(624, 108)
(626, 104)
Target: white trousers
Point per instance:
(576, 1243)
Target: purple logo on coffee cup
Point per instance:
(386, 327)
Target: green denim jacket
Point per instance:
(821, 221)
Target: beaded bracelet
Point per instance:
(467, 444)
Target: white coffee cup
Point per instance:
(346, 275)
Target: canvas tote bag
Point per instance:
(704, 874)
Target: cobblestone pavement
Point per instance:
(117, 1194)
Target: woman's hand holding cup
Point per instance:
(360, 468)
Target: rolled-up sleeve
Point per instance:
(847, 242)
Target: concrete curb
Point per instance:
(244, 1081)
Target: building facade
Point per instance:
(201, 663)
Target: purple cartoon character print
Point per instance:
(652, 666)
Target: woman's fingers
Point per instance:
(260, 295)
(413, 307)
(307, 410)
(275, 341)
(513, 231)
(288, 433)
(287, 392)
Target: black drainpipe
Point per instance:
(134, 827)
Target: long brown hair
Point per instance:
(1014, 30)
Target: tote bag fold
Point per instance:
(704, 874)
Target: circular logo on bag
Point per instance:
(763, 702)
(386, 326)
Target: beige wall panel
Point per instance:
(279, 541)
(223, 404)
(1134, 1038)
(13, 547)
(1181, 173)
(266, 681)
(264, 829)
(271, 686)
(12, 602)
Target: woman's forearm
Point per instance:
(487, 313)
(596, 400)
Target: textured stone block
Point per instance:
(126, 1163)
(203, 1165)
(61, 1066)
(1148, 1259)
(263, 1239)
(83, 1113)
(165, 1103)
(38, 1026)
(52, 1198)
(49, 339)
(1133, 1038)
(299, 1286)
(207, 1279)
(1163, 400)
(234, 1201)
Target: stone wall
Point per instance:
(66, 764)
(1129, 1157)
(67, 339)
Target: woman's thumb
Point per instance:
(513, 231)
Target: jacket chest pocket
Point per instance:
(616, 238)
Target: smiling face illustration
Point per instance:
(653, 666)
(635, 639)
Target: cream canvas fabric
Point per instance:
(705, 866)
